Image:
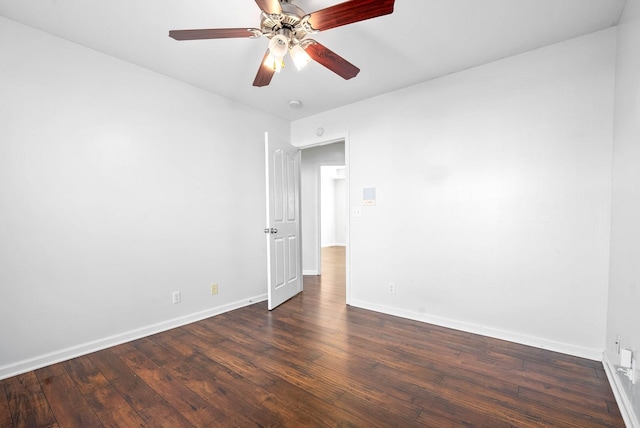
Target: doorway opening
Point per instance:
(324, 208)
(333, 211)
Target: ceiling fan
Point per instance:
(286, 26)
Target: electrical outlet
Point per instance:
(214, 289)
(392, 288)
(177, 298)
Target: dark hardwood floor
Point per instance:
(313, 362)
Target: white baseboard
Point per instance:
(622, 397)
(578, 351)
(310, 272)
(40, 361)
(335, 244)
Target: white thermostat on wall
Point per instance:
(369, 196)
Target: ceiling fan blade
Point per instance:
(270, 6)
(265, 73)
(331, 60)
(349, 12)
(215, 33)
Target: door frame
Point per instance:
(338, 138)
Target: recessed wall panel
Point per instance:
(292, 181)
(280, 261)
(292, 265)
(278, 186)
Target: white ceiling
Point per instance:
(421, 40)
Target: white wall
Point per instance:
(493, 189)
(332, 207)
(327, 209)
(624, 286)
(340, 211)
(118, 186)
(312, 159)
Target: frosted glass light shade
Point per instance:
(278, 46)
(299, 56)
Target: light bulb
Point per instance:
(274, 63)
(278, 64)
(270, 61)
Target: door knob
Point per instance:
(267, 230)
(274, 230)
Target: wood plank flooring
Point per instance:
(313, 362)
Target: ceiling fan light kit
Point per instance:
(286, 26)
(299, 56)
(277, 50)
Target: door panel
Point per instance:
(279, 262)
(293, 262)
(283, 222)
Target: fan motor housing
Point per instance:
(291, 22)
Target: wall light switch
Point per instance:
(356, 212)
(625, 358)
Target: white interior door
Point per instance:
(284, 271)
